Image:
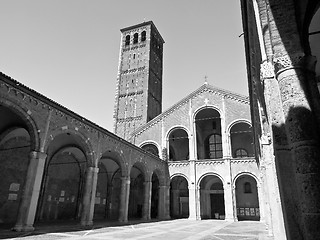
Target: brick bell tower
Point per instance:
(139, 82)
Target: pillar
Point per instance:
(192, 192)
(88, 199)
(146, 214)
(124, 199)
(164, 203)
(228, 193)
(28, 206)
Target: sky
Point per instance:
(68, 50)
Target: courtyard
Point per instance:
(168, 230)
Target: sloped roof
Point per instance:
(204, 87)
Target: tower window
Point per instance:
(143, 36)
(135, 38)
(127, 40)
(134, 56)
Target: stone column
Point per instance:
(124, 199)
(192, 192)
(164, 201)
(228, 194)
(88, 199)
(146, 214)
(261, 203)
(28, 206)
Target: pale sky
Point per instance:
(68, 50)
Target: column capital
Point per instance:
(37, 155)
(295, 61)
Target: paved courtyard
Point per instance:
(167, 230)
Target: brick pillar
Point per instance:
(164, 203)
(88, 199)
(28, 206)
(124, 199)
(298, 163)
(146, 214)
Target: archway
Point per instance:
(208, 132)
(151, 148)
(107, 199)
(212, 198)
(136, 197)
(241, 139)
(178, 145)
(247, 201)
(154, 196)
(14, 160)
(179, 197)
(64, 177)
(62, 193)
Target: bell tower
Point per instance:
(139, 82)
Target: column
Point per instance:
(163, 207)
(192, 192)
(28, 206)
(228, 193)
(146, 214)
(261, 203)
(124, 199)
(88, 199)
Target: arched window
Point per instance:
(241, 153)
(247, 187)
(151, 148)
(135, 38)
(143, 36)
(127, 40)
(214, 146)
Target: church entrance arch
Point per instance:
(107, 199)
(179, 197)
(212, 198)
(247, 201)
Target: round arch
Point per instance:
(152, 143)
(245, 187)
(210, 174)
(177, 142)
(83, 143)
(116, 157)
(180, 175)
(27, 119)
(203, 108)
(234, 122)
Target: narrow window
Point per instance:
(127, 40)
(143, 36)
(135, 38)
(214, 146)
(134, 56)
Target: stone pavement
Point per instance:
(166, 230)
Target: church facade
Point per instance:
(206, 138)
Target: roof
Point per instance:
(141, 25)
(204, 87)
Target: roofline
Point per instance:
(18, 85)
(201, 88)
(143, 24)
